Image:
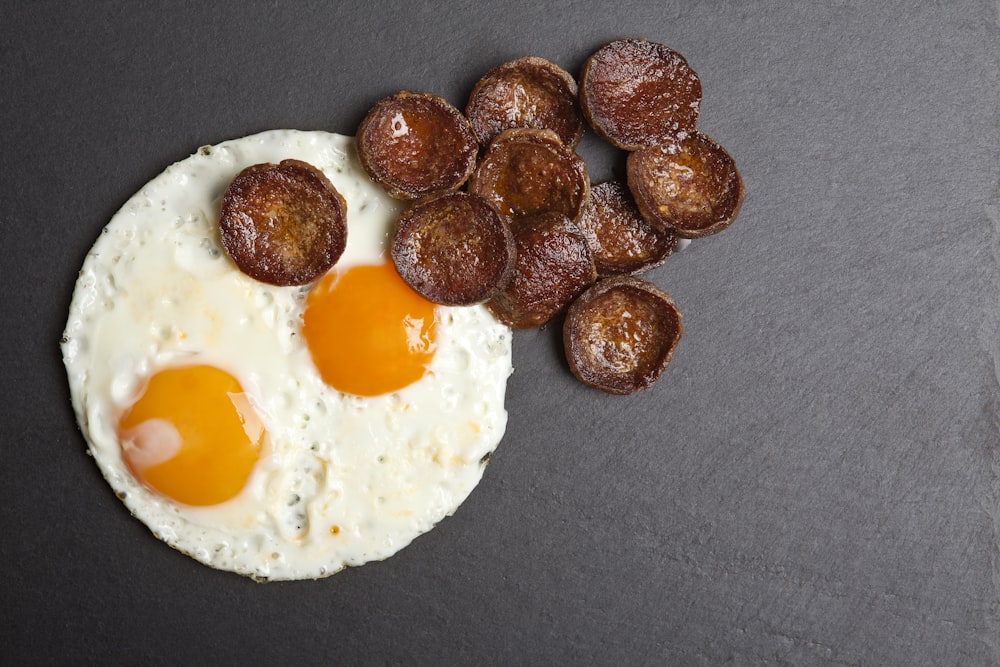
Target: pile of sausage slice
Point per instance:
(502, 210)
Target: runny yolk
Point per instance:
(368, 332)
(192, 435)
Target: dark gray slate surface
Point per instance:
(814, 481)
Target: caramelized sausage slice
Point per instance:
(552, 266)
(620, 240)
(283, 224)
(454, 249)
(620, 334)
(529, 92)
(417, 144)
(527, 172)
(690, 187)
(637, 93)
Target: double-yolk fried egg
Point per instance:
(277, 432)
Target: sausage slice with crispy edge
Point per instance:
(416, 144)
(553, 265)
(690, 187)
(638, 93)
(283, 224)
(453, 249)
(620, 334)
(620, 239)
(529, 92)
(525, 172)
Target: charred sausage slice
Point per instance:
(529, 92)
(621, 241)
(283, 224)
(552, 266)
(453, 249)
(415, 144)
(527, 172)
(620, 334)
(690, 187)
(637, 93)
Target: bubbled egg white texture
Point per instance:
(341, 479)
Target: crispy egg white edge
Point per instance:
(273, 547)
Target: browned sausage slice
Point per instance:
(529, 92)
(453, 249)
(620, 239)
(283, 224)
(416, 144)
(527, 172)
(552, 266)
(620, 334)
(637, 93)
(690, 187)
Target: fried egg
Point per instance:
(276, 432)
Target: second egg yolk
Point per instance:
(192, 435)
(368, 332)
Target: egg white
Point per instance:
(342, 480)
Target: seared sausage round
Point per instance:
(453, 249)
(620, 239)
(620, 334)
(416, 144)
(529, 92)
(690, 187)
(283, 224)
(553, 265)
(637, 93)
(527, 172)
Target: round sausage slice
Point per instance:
(529, 92)
(552, 266)
(453, 249)
(621, 241)
(526, 172)
(620, 334)
(283, 224)
(690, 187)
(637, 93)
(416, 144)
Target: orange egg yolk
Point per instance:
(192, 435)
(368, 332)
